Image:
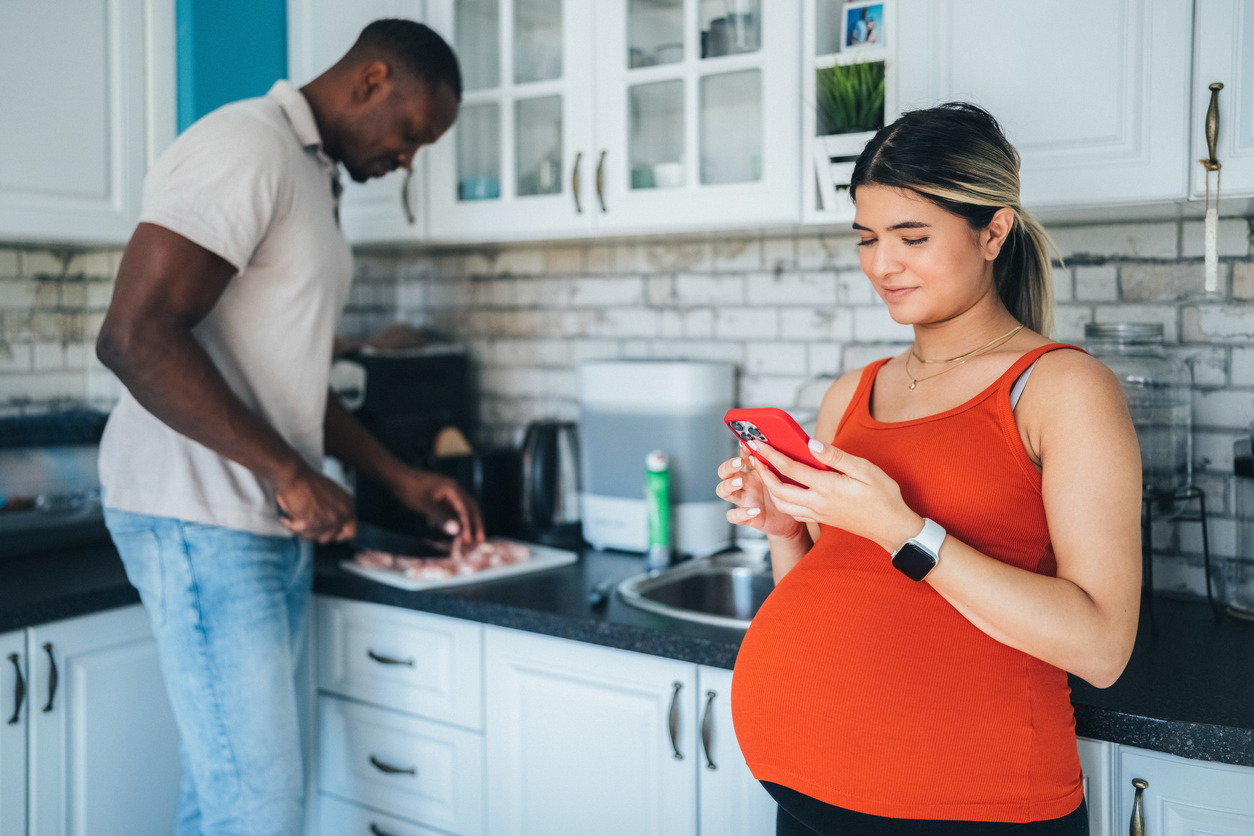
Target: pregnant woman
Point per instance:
(979, 540)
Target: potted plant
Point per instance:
(850, 104)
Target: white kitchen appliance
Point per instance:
(628, 408)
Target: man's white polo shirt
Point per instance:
(251, 183)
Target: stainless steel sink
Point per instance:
(725, 590)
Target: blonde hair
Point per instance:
(956, 156)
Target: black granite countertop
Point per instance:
(1189, 691)
(62, 584)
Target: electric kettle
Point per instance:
(550, 488)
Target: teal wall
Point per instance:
(228, 50)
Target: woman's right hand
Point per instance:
(742, 485)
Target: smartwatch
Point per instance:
(921, 552)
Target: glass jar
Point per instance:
(1159, 392)
(1238, 575)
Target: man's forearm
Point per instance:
(172, 377)
(347, 440)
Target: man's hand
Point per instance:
(315, 508)
(442, 501)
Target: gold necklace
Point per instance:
(974, 352)
(961, 358)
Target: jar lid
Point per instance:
(1138, 332)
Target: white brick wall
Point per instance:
(792, 310)
(52, 303)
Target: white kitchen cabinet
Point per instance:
(414, 769)
(624, 116)
(319, 32)
(1186, 797)
(518, 163)
(78, 140)
(409, 661)
(1095, 96)
(697, 114)
(14, 710)
(1223, 51)
(828, 160)
(339, 818)
(1099, 760)
(583, 738)
(103, 753)
(732, 801)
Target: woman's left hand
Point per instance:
(859, 497)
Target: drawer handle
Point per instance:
(601, 181)
(377, 831)
(1136, 827)
(388, 660)
(707, 729)
(388, 769)
(52, 677)
(19, 689)
(673, 721)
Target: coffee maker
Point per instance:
(406, 397)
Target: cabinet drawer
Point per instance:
(337, 817)
(413, 662)
(414, 769)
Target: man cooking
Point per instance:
(220, 328)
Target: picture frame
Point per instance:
(862, 26)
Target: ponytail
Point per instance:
(1024, 273)
(956, 156)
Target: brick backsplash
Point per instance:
(52, 303)
(793, 312)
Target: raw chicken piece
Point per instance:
(371, 559)
(461, 561)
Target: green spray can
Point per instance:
(657, 502)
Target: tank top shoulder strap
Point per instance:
(1021, 365)
(862, 394)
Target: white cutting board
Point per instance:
(542, 557)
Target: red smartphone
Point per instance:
(777, 428)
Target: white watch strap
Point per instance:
(931, 536)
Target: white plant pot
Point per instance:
(842, 151)
(834, 158)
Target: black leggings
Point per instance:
(801, 815)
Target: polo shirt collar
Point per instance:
(299, 113)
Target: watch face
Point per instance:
(914, 561)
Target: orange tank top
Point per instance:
(866, 690)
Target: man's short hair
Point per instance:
(414, 48)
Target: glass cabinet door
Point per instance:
(517, 159)
(697, 111)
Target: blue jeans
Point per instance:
(229, 611)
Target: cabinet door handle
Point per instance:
(574, 183)
(601, 181)
(1136, 827)
(1212, 128)
(409, 212)
(392, 770)
(388, 660)
(377, 831)
(672, 723)
(707, 729)
(19, 688)
(52, 677)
